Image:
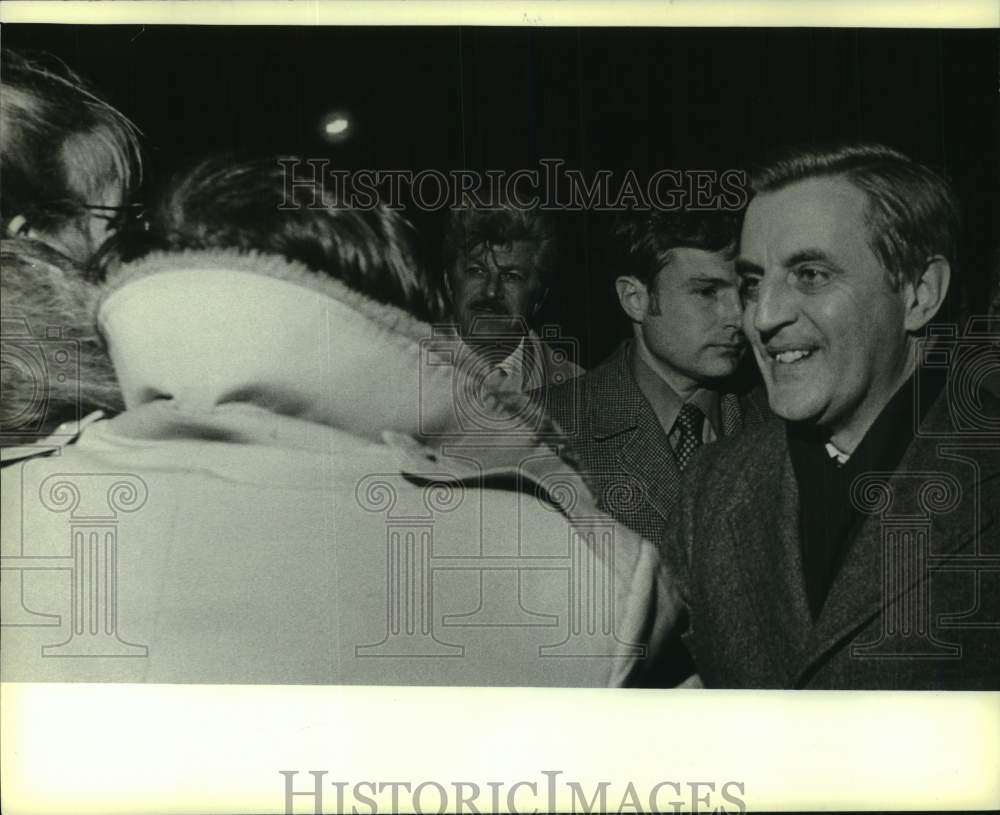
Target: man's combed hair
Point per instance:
(469, 228)
(61, 144)
(913, 214)
(224, 204)
(641, 242)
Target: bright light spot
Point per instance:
(337, 126)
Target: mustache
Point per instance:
(491, 306)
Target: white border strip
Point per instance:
(213, 749)
(741, 13)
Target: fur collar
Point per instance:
(210, 329)
(270, 266)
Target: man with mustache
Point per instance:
(851, 542)
(636, 420)
(498, 265)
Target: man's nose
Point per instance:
(730, 308)
(775, 304)
(491, 284)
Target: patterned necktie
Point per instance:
(687, 427)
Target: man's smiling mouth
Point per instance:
(788, 356)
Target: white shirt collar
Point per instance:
(836, 454)
(520, 375)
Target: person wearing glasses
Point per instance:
(70, 160)
(277, 431)
(71, 163)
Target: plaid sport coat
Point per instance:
(619, 445)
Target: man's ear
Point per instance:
(924, 298)
(633, 296)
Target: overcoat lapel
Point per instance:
(769, 554)
(859, 593)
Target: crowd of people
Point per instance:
(248, 442)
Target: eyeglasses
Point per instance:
(127, 216)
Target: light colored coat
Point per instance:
(287, 499)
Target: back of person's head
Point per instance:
(641, 242)
(913, 214)
(70, 160)
(223, 204)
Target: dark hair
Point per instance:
(224, 204)
(641, 242)
(912, 212)
(61, 144)
(469, 228)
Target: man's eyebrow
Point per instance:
(710, 280)
(745, 267)
(807, 256)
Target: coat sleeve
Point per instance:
(651, 613)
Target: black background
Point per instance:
(502, 98)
